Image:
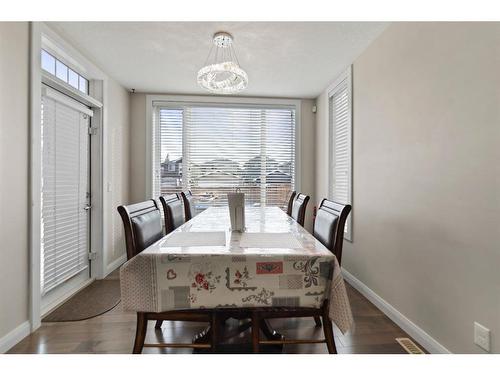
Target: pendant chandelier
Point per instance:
(222, 73)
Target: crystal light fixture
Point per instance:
(222, 73)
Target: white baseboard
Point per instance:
(14, 336)
(422, 337)
(115, 264)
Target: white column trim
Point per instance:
(35, 174)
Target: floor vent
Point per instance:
(409, 345)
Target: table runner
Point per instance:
(168, 278)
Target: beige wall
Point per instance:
(426, 176)
(118, 116)
(14, 130)
(138, 147)
(138, 150)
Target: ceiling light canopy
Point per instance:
(222, 73)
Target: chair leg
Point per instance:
(269, 332)
(140, 333)
(328, 331)
(158, 324)
(317, 320)
(215, 331)
(255, 332)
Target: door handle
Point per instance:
(87, 207)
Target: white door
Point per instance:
(65, 197)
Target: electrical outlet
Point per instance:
(482, 336)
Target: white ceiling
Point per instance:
(282, 59)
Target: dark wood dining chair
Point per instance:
(290, 203)
(259, 316)
(189, 208)
(299, 207)
(328, 228)
(142, 224)
(173, 212)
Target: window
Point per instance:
(59, 69)
(213, 149)
(340, 118)
(48, 63)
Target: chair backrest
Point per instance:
(290, 203)
(299, 208)
(173, 211)
(142, 224)
(329, 226)
(189, 209)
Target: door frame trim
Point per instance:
(40, 32)
(66, 100)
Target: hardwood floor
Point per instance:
(113, 332)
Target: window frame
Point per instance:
(154, 101)
(346, 75)
(69, 69)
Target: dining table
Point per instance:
(273, 262)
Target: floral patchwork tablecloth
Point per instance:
(164, 278)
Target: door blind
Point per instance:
(211, 150)
(64, 245)
(340, 154)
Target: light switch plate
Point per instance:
(482, 336)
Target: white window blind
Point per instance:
(211, 150)
(65, 157)
(340, 114)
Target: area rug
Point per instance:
(96, 299)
